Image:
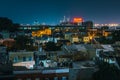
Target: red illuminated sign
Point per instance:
(78, 20)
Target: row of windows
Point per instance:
(23, 58)
(55, 78)
(34, 28)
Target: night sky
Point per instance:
(52, 11)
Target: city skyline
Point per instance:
(51, 11)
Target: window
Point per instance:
(30, 58)
(64, 78)
(24, 58)
(15, 59)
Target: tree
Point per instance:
(51, 46)
(15, 27)
(7, 25)
(22, 41)
(116, 35)
(107, 72)
(104, 40)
